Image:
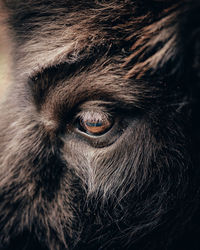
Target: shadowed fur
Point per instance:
(137, 185)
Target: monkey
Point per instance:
(99, 129)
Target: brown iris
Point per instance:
(95, 123)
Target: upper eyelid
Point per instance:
(96, 103)
(99, 115)
(100, 107)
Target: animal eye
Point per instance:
(94, 123)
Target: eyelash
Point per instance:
(94, 123)
(98, 113)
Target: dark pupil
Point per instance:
(91, 124)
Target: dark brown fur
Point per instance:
(137, 186)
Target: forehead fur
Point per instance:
(144, 34)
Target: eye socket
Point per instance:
(94, 123)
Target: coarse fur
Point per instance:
(134, 187)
